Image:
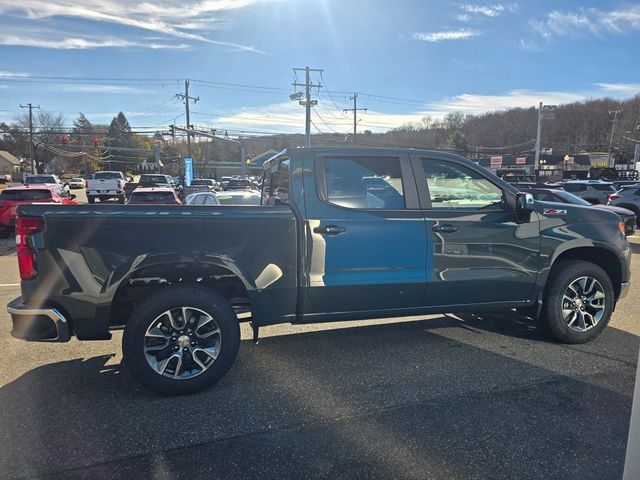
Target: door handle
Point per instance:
(329, 230)
(446, 228)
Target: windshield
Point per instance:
(107, 176)
(15, 195)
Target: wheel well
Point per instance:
(148, 280)
(602, 257)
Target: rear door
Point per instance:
(366, 235)
(480, 253)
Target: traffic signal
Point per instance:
(172, 130)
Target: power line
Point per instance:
(307, 102)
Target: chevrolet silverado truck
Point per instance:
(106, 185)
(341, 234)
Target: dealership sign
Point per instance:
(496, 161)
(521, 160)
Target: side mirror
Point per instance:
(524, 202)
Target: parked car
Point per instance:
(224, 182)
(154, 195)
(202, 198)
(239, 197)
(175, 278)
(239, 184)
(43, 180)
(627, 197)
(105, 186)
(628, 217)
(200, 185)
(11, 197)
(593, 191)
(76, 183)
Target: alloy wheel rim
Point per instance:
(583, 304)
(182, 343)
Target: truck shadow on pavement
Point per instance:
(439, 398)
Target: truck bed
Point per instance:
(89, 254)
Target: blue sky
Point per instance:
(407, 59)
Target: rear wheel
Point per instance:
(578, 304)
(91, 199)
(181, 340)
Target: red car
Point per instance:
(14, 196)
(154, 196)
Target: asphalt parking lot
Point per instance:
(425, 397)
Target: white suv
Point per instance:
(594, 192)
(627, 197)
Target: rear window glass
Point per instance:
(25, 195)
(152, 196)
(200, 183)
(34, 180)
(107, 176)
(153, 179)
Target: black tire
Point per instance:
(144, 315)
(91, 199)
(633, 208)
(121, 200)
(551, 320)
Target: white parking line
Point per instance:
(9, 284)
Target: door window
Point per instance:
(454, 186)
(364, 182)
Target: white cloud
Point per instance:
(82, 43)
(444, 35)
(5, 74)
(171, 18)
(590, 20)
(486, 10)
(116, 89)
(289, 117)
(629, 89)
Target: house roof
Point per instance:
(9, 158)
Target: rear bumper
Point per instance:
(37, 324)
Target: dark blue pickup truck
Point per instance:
(342, 234)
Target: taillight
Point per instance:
(25, 228)
(614, 196)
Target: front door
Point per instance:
(366, 235)
(481, 254)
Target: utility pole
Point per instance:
(613, 130)
(33, 161)
(185, 98)
(355, 110)
(307, 102)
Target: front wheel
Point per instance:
(578, 304)
(181, 340)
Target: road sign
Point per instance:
(188, 170)
(496, 161)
